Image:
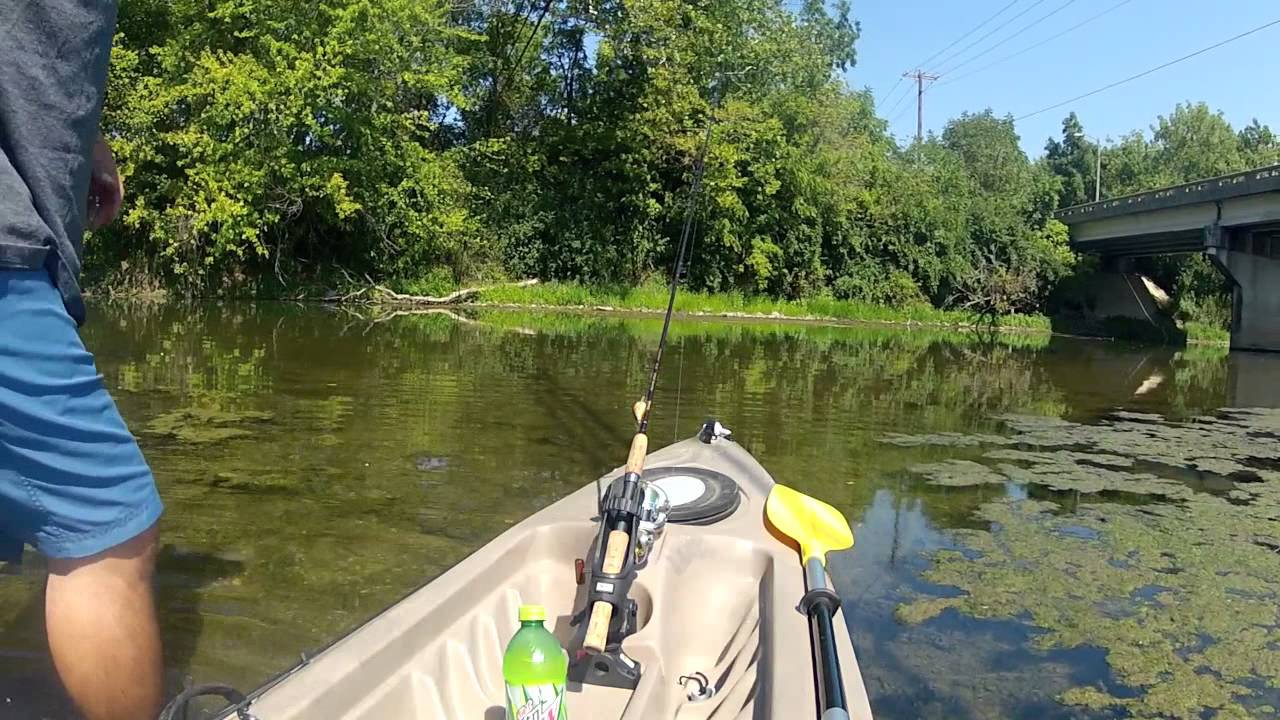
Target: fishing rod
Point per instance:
(612, 611)
(642, 407)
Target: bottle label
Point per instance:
(536, 702)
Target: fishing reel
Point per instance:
(601, 661)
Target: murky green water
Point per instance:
(317, 465)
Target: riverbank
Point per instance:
(652, 298)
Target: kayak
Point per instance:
(716, 632)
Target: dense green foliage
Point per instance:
(283, 147)
(272, 144)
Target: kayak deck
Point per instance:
(718, 599)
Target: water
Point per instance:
(318, 464)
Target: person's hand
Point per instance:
(106, 189)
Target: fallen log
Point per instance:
(390, 297)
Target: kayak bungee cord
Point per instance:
(612, 611)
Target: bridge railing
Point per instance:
(1248, 182)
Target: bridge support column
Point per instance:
(1255, 315)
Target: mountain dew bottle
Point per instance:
(535, 668)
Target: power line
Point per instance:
(975, 28)
(898, 101)
(997, 29)
(1144, 73)
(885, 98)
(1042, 43)
(889, 112)
(1016, 34)
(905, 108)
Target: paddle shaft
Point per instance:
(826, 657)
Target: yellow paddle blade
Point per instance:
(818, 527)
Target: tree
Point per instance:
(988, 146)
(1130, 166)
(262, 138)
(1073, 159)
(1259, 144)
(422, 143)
(1012, 252)
(1194, 142)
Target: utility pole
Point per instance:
(1097, 181)
(920, 77)
(1097, 177)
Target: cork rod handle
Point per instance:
(639, 448)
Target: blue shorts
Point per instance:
(72, 479)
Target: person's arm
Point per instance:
(106, 189)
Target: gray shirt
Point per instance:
(53, 74)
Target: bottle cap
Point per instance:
(530, 613)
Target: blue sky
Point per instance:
(1242, 79)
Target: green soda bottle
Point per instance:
(535, 668)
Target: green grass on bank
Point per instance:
(653, 297)
(1199, 332)
(575, 322)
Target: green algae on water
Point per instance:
(1181, 594)
(958, 473)
(198, 425)
(1062, 471)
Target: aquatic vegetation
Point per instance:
(1089, 479)
(256, 482)
(1062, 471)
(959, 473)
(945, 439)
(1104, 460)
(205, 424)
(1181, 594)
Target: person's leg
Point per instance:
(102, 630)
(74, 484)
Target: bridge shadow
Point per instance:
(1159, 331)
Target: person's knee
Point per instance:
(133, 559)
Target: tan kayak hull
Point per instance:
(717, 599)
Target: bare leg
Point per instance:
(102, 630)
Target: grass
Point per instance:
(572, 322)
(1200, 332)
(653, 297)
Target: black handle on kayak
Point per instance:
(821, 604)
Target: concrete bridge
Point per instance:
(1234, 219)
